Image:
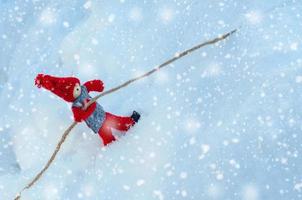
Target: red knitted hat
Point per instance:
(61, 86)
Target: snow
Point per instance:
(221, 123)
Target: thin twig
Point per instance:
(58, 147)
(176, 57)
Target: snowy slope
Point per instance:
(222, 123)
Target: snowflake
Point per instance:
(214, 191)
(111, 18)
(48, 16)
(136, 14)
(250, 192)
(162, 77)
(234, 164)
(205, 148)
(184, 193)
(126, 187)
(51, 192)
(294, 46)
(298, 187)
(140, 182)
(219, 175)
(94, 41)
(166, 15)
(87, 5)
(183, 175)
(213, 69)
(192, 125)
(254, 17)
(65, 24)
(88, 190)
(158, 194)
(87, 69)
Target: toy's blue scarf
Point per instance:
(97, 118)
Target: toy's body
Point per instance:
(96, 118)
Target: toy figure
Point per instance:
(101, 122)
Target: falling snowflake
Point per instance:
(298, 79)
(166, 15)
(250, 192)
(87, 5)
(111, 18)
(205, 148)
(50, 192)
(136, 14)
(140, 182)
(254, 17)
(87, 69)
(294, 46)
(158, 194)
(298, 187)
(183, 175)
(219, 175)
(48, 16)
(65, 24)
(192, 125)
(126, 187)
(213, 69)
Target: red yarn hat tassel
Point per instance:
(61, 86)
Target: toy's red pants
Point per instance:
(116, 122)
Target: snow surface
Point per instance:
(221, 123)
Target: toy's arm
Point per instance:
(79, 114)
(94, 85)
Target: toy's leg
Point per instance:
(106, 134)
(118, 122)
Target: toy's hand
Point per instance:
(94, 85)
(99, 85)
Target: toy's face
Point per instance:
(77, 91)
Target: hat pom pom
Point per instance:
(39, 80)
